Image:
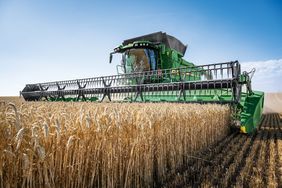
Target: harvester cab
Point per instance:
(151, 52)
(152, 69)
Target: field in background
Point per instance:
(273, 103)
(56, 144)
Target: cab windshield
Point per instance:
(139, 60)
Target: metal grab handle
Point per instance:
(251, 73)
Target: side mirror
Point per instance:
(111, 57)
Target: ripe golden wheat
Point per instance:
(102, 145)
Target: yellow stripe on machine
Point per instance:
(243, 129)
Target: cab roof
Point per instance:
(160, 37)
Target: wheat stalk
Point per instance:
(17, 124)
(19, 137)
(104, 145)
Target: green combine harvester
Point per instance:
(153, 70)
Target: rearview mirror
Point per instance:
(111, 57)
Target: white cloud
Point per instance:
(268, 75)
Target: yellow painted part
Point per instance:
(243, 129)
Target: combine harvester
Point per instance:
(153, 70)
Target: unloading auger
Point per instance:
(153, 70)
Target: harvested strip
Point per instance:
(192, 173)
(234, 168)
(271, 180)
(243, 176)
(243, 167)
(257, 175)
(227, 161)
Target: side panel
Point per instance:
(252, 111)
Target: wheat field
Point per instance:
(60, 144)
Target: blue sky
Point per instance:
(56, 40)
